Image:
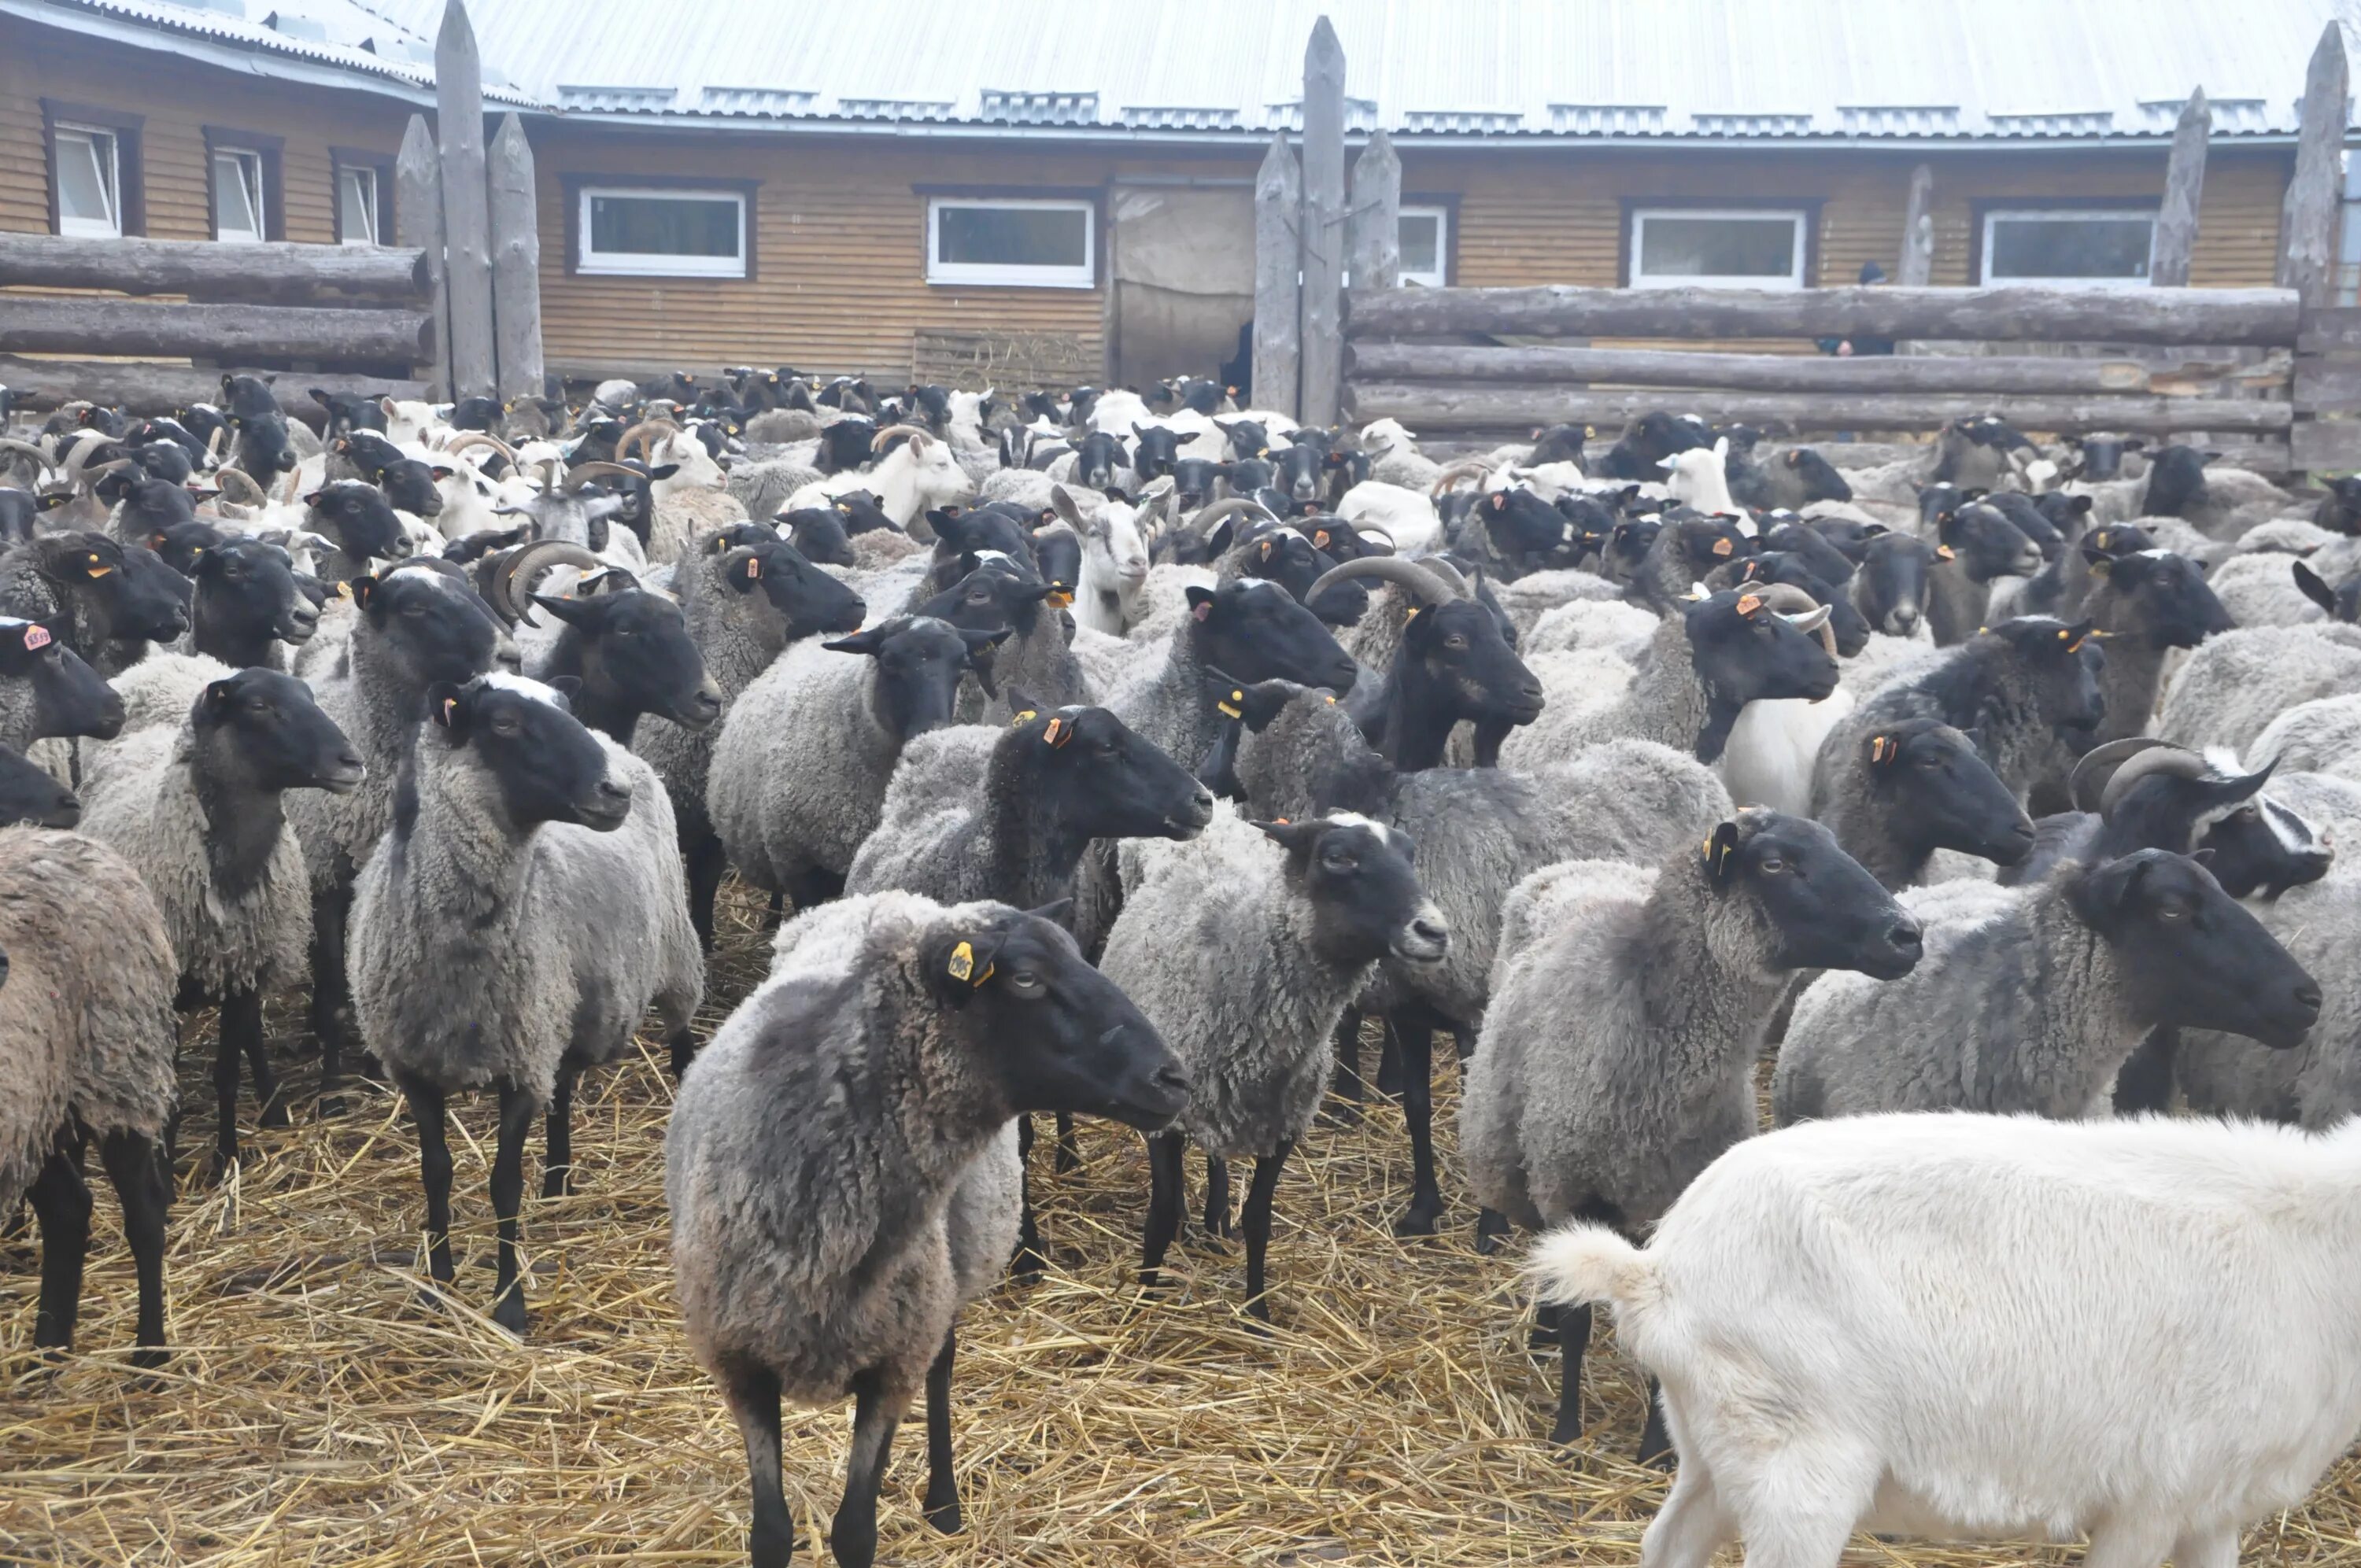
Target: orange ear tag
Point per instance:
(1721, 546)
(1747, 603)
(36, 637)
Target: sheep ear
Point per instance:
(1291, 836)
(2315, 589)
(363, 587)
(1720, 856)
(867, 641)
(447, 707)
(1023, 706)
(1201, 601)
(574, 612)
(1056, 912)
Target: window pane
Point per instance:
(87, 181)
(1717, 247)
(2071, 247)
(655, 225)
(1422, 235)
(1013, 237)
(237, 205)
(359, 206)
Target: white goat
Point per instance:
(919, 475)
(1698, 478)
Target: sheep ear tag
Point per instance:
(962, 966)
(1717, 850)
(1058, 732)
(1945, 552)
(1230, 707)
(1027, 717)
(1320, 540)
(450, 706)
(1721, 546)
(98, 568)
(1748, 603)
(1883, 750)
(36, 637)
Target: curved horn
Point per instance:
(469, 439)
(1449, 574)
(2156, 762)
(1423, 585)
(529, 561)
(2089, 780)
(1465, 469)
(1233, 506)
(1377, 539)
(1799, 610)
(613, 580)
(915, 432)
(230, 478)
(644, 435)
(27, 448)
(583, 473)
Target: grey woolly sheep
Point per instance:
(1916, 788)
(2257, 589)
(2320, 736)
(46, 690)
(805, 754)
(763, 485)
(86, 1040)
(2317, 1085)
(2231, 689)
(485, 948)
(197, 808)
(2148, 602)
(1628, 1008)
(1243, 948)
(2029, 999)
(1003, 594)
(841, 1172)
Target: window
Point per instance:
(637, 230)
(1730, 248)
(1020, 242)
(2095, 248)
(1424, 234)
(89, 172)
(240, 214)
(356, 208)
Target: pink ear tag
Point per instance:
(36, 637)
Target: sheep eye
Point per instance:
(1024, 983)
(1771, 865)
(1456, 642)
(2248, 813)
(504, 725)
(2172, 914)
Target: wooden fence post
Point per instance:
(2184, 184)
(1373, 231)
(516, 261)
(1918, 263)
(1324, 226)
(2308, 218)
(467, 219)
(418, 223)
(1278, 208)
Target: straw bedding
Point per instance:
(320, 1410)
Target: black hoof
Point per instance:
(331, 1105)
(508, 1310)
(275, 1115)
(1487, 1244)
(557, 1184)
(944, 1517)
(1566, 1432)
(148, 1357)
(1419, 1220)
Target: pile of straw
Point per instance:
(318, 1410)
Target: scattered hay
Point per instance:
(318, 1410)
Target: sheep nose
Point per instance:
(1904, 934)
(2308, 997)
(1430, 930)
(614, 793)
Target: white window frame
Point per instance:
(1799, 254)
(2062, 215)
(244, 160)
(1084, 276)
(639, 264)
(110, 168)
(366, 175)
(1442, 273)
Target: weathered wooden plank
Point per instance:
(2184, 179)
(516, 262)
(418, 222)
(1324, 226)
(86, 323)
(142, 387)
(2331, 330)
(277, 273)
(1278, 289)
(2308, 215)
(2315, 444)
(1432, 406)
(467, 219)
(1372, 248)
(1919, 231)
(2226, 316)
(2328, 386)
(1751, 372)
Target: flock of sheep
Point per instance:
(1117, 755)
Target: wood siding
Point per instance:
(179, 99)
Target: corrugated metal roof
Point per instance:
(1741, 70)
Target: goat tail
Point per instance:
(1578, 1263)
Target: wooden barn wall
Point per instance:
(179, 98)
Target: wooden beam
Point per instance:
(1279, 293)
(2225, 316)
(2323, 444)
(418, 221)
(466, 220)
(516, 261)
(1429, 406)
(2308, 216)
(1324, 226)
(1919, 231)
(2336, 330)
(1373, 231)
(277, 273)
(1749, 372)
(2184, 184)
(87, 323)
(144, 388)
(2328, 386)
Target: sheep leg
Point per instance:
(707, 861)
(683, 1045)
(2210, 1549)
(226, 1081)
(1389, 1068)
(1572, 1339)
(61, 1202)
(1694, 1523)
(1655, 1442)
(141, 1183)
(2129, 1542)
(1217, 1196)
(942, 1504)
(1416, 1043)
(1255, 1220)
(1347, 1089)
(1069, 1157)
(1491, 1230)
(1163, 1203)
(434, 1170)
(557, 1138)
(267, 1095)
(1030, 1259)
(853, 1535)
(508, 1200)
(753, 1393)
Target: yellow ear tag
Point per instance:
(2062, 636)
(962, 964)
(1945, 552)
(1721, 546)
(1877, 748)
(753, 566)
(1025, 718)
(1749, 603)
(2073, 647)
(1413, 612)
(343, 590)
(1228, 708)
